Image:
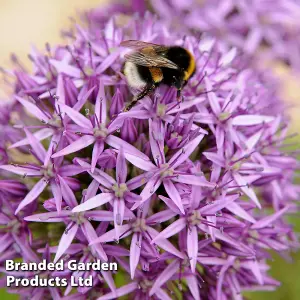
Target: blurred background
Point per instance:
(35, 22)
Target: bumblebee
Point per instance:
(150, 65)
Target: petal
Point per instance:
(70, 170)
(97, 150)
(149, 189)
(109, 280)
(164, 244)
(182, 155)
(161, 294)
(265, 222)
(5, 241)
(76, 116)
(100, 105)
(33, 194)
(173, 194)
(163, 277)
(194, 180)
(119, 209)
(83, 97)
(217, 205)
(4, 219)
(220, 136)
(171, 230)
(192, 283)
(228, 57)
(253, 140)
(66, 240)
(211, 261)
(244, 187)
(135, 252)
(108, 61)
(21, 170)
(79, 144)
(212, 98)
(121, 167)
(228, 239)
(249, 120)
(137, 114)
(161, 216)
(240, 212)
(145, 165)
(90, 233)
(92, 189)
(136, 182)
(52, 146)
(156, 138)
(28, 253)
(100, 215)
(122, 291)
(185, 105)
(49, 216)
(33, 109)
(39, 135)
(253, 40)
(98, 175)
(60, 89)
(56, 191)
(110, 236)
(64, 67)
(203, 118)
(67, 193)
(192, 246)
(118, 143)
(215, 158)
(37, 147)
(93, 202)
(222, 277)
(255, 269)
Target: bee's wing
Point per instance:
(137, 45)
(149, 60)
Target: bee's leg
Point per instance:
(179, 97)
(148, 89)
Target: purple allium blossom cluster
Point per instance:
(264, 30)
(188, 198)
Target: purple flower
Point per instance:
(49, 171)
(116, 192)
(194, 193)
(143, 236)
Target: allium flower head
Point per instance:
(187, 197)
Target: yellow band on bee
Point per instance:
(156, 74)
(192, 65)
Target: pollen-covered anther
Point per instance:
(166, 171)
(14, 226)
(78, 218)
(194, 218)
(88, 71)
(237, 264)
(185, 263)
(49, 171)
(223, 116)
(139, 225)
(100, 132)
(119, 189)
(55, 121)
(176, 135)
(161, 110)
(146, 285)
